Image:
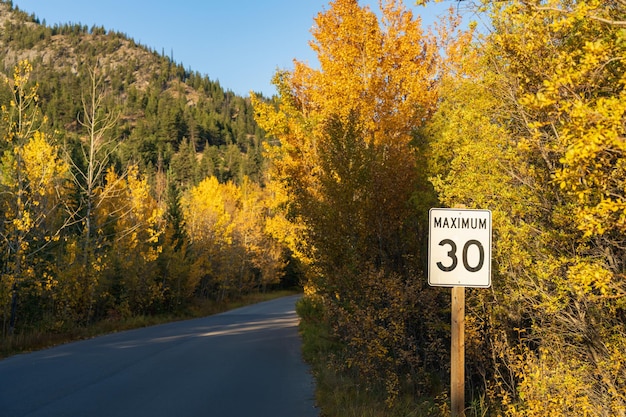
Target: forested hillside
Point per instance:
(164, 111)
(129, 185)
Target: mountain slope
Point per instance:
(165, 111)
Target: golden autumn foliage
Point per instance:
(349, 168)
(227, 225)
(131, 224)
(349, 123)
(536, 134)
(33, 184)
(84, 239)
(528, 122)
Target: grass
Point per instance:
(36, 340)
(339, 394)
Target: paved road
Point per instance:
(245, 362)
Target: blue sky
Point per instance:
(240, 43)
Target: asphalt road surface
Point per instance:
(246, 362)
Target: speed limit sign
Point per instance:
(459, 248)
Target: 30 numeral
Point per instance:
(455, 260)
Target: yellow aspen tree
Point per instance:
(288, 234)
(132, 223)
(571, 98)
(546, 107)
(378, 80)
(348, 162)
(263, 254)
(33, 186)
(209, 211)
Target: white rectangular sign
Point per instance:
(459, 248)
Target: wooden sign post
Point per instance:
(457, 353)
(459, 256)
